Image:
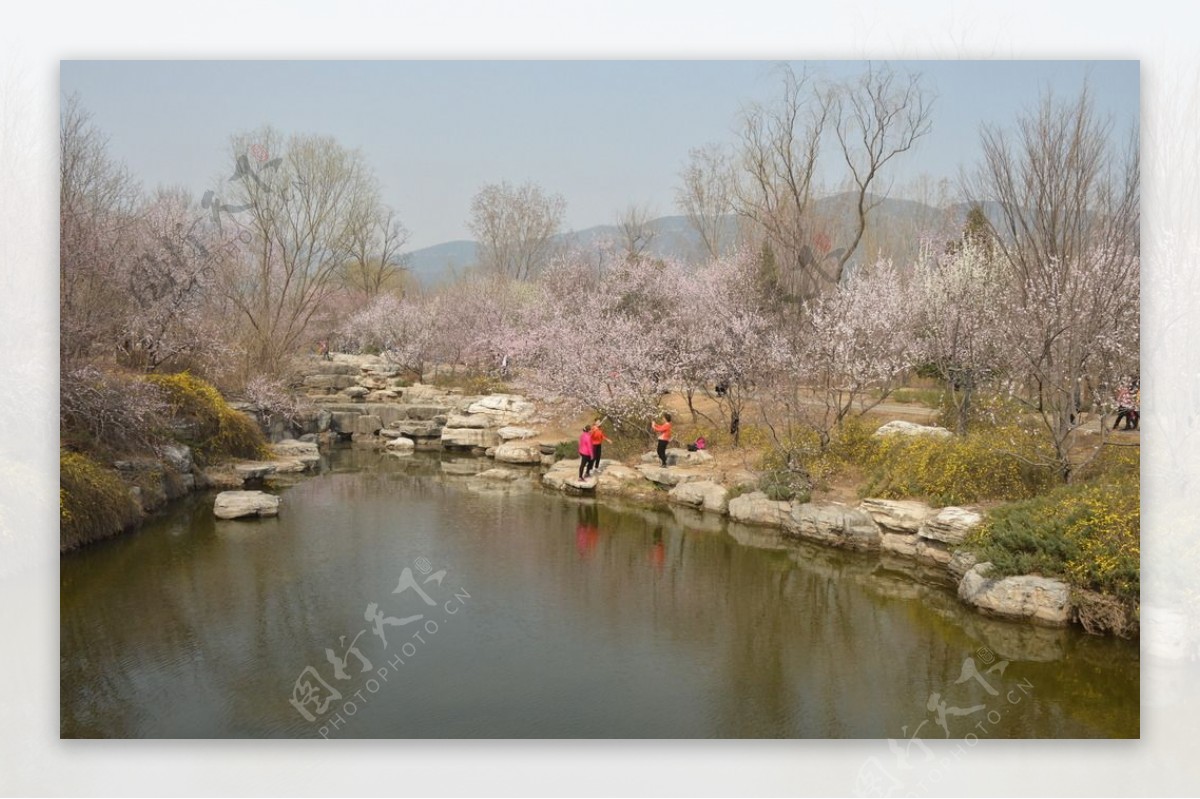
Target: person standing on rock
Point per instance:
(585, 453)
(664, 436)
(598, 439)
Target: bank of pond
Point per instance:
(544, 614)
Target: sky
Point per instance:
(604, 134)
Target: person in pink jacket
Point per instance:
(585, 453)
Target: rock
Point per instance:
(343, 421)
(564, 475)
(548, 460)
(240, 504)
(389, 432)
(179, 457)
(479, 421)
(189, 482)
(253, 472)
(902, 428)
(834, 524)
(417, 429)
(425, 413)
(755, 508)
(671, 477)
(614, 476)
(490, 452)
(355, 392)
(548, 447)
(704, 494)
(367, 424)
(507, 404)
(468, 437)
(324, 420)
(290, 466)
(303, 451)
(511, 433)
(511, 452)
(898, 543)
(308, 438)
(950, 525)
(897, 515)
(933, 552)
(677, 456)
(960, 563)
(1028, 597)
(400, 445)
(383, 395)
(332, 382)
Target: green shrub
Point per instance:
(1087, 533)
(93, 502)
(205, 421)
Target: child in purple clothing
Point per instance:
(585, 453)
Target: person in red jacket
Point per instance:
(664, 436)
(585, 453)
(598, 439)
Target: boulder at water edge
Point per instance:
(1026, 597)
(244, 504)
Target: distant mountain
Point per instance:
(432, 265)
(896, 223)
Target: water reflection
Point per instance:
(679, 624)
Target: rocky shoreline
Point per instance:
(363, 400)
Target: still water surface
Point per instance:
(555, 617)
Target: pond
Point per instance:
(407, 597)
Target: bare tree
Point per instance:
(705, 195)
(636, 224)
(376, 261)
(877, 117)
(780, 146)
(97, 215)
(1066, 224)
(299, 210)
(514, 227)
(874, 118)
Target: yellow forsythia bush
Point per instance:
(991, 463)
(206, 423)
(93, 502)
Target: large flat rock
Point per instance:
(950, 525)
(756, 508)
(245, 504)
(668, 476)
(1029, 597)
(897, 515)
(703, 494)
(834, 524)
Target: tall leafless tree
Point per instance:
(299, 208)
(637, 230)
(376, 261)
(515, 226)
(873, 119)
(705, 195)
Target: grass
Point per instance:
(94, 502)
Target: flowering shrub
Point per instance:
(1087, 533)
(205, 421)
(93, 502)
(994, 463)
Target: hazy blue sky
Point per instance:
(602, 133)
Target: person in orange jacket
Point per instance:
(664, 436)
(598, 439)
